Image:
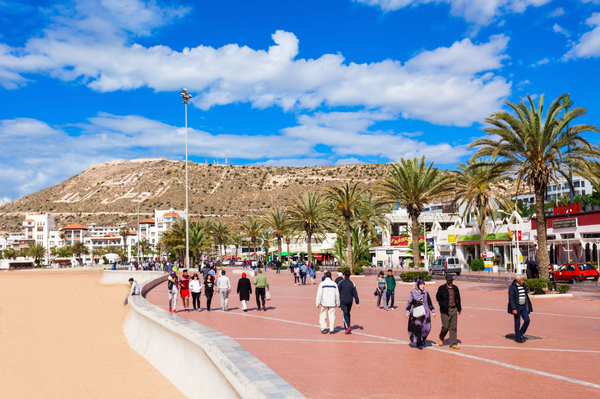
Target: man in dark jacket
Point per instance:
(448, 298)
(520, 307)
(348, 294)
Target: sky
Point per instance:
(291, 83)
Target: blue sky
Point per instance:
(276, 82)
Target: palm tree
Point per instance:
(10, 253)
(346, 203)
(361, 244)
(35, 251)
(412, 184)
(308, 213)
(252, 227)
(537, 150)
(220, 231)
(475, 184)
(174, 238)
(277, 221)
(287, 235)
(237, 239)
(266, 237)
(200, 240)
(64, 252)
(78, 248)
(123, 232)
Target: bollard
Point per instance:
(596, 288)
(581, 287)
(479, 278)
(492, 279)
(505, 280)
(467, 278)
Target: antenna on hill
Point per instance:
(226, 159)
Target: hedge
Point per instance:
(537, 285)
(414, 276)
(477, 265)
(563, 288)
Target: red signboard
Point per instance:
(564, 209)
(517, 235)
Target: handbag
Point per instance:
(418, 311)
(376, 292)
(268, 296)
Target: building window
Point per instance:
(567, 236)
(576, 184)
(583, 184)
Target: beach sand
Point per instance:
(61, 336)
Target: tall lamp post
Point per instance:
(186, 96)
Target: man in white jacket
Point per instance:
(328, 298)
(224, 288)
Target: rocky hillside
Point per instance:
(109, 193)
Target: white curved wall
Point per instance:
(200, 361)
(123, 276)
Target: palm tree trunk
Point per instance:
(279, 247)
(308, 246)
(482, 247)
(415, 241)
(349, 246)
(543, 260)
(288, 251)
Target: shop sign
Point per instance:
(399, 241)
(564, 224)
(564, 209)
(451, 238)
(389, 251)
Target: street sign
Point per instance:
(518, 235)
(488, 254)
(389, 251)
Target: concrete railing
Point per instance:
(199, 361)
(123, 276)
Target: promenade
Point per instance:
(559, 360)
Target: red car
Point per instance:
(576, 272)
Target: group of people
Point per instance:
(301, 270)
(342, 293)
(184, 286)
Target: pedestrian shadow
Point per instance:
(512, 337)
(357, 327)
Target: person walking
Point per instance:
(184, 290)
(303, 272)
(209, 290)
(339, 278)
(278, 264)
(348, 293)
(381, 291)
(328, 298)
(196, 289)
(244, 289)
(520, 307)
(390, 288)
(224, 288)
(448, 298)
(418, 312)
(296, 276)
(312, 272)
(172, 290)
(260, 285)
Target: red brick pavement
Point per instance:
(376, 361)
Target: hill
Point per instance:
(109, 193)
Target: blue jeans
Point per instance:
(303, 277)
(522, 312)
(390, 296)
(278, 269)
(381, 294)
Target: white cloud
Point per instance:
(453, 85)
(559, 29)
(479, 12)
(36, 155)
(557, 13)
(589, 44)
(523, 83)
(543, 61)
(348, 134)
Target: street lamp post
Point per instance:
(186, 96)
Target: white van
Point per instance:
(445, 265)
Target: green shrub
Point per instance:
(342, 269)
(358, 269)
(414, 276)
(317, 268)
(477, 265)
(410, 264)
(537, 285)
(563, 288)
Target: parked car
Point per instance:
(576, 272)
(445, 265)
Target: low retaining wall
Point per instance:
(200, 361)
(123, 276)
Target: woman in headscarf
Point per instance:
(244, 288)
(418, 313)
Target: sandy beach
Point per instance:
(61, 336)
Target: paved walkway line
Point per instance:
(446, 351)
(545, 314)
